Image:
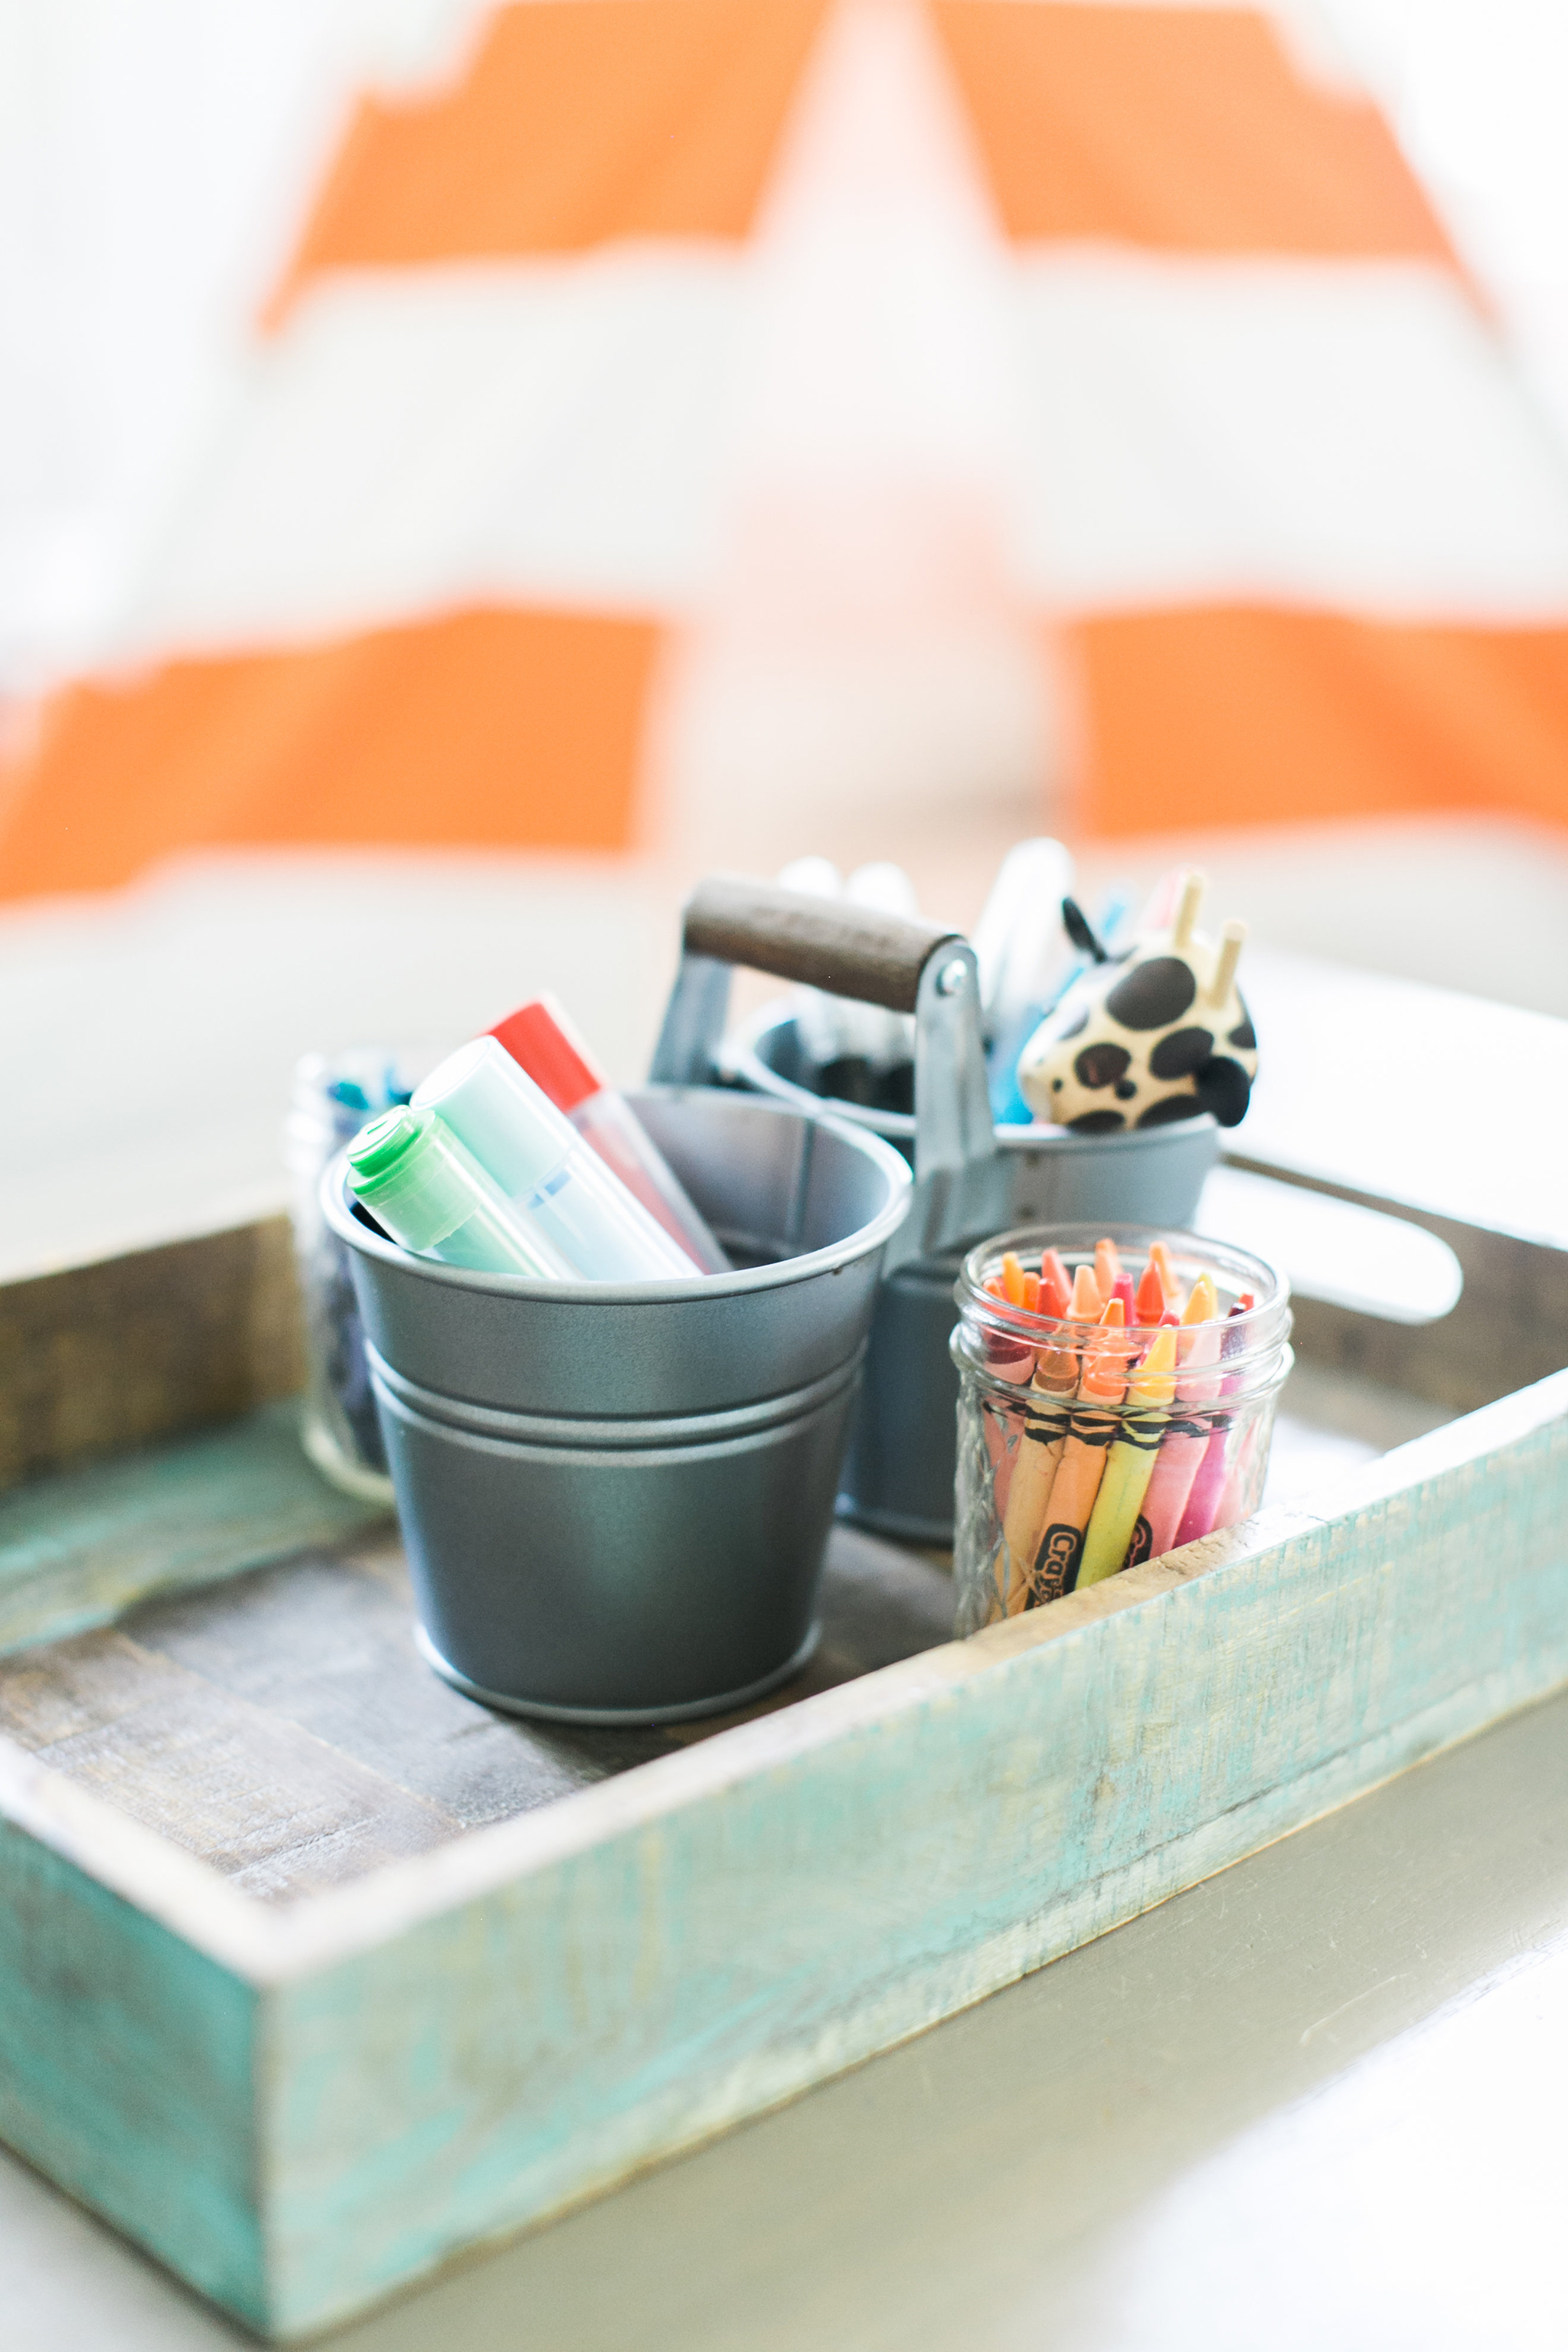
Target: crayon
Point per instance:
(1012, 1280)
(1102, 1387)
(1085, 1305)
(1045, 1425)
(1107, 1268)
(1056, 1290)
(1023, 1511)
(1149, 1302)
(1187, 1435)
(1111, 1542)
(1160, 1255)
(1024, 1477)
(1208, 1487)
(1122, 1288)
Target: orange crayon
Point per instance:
(1150, 1302)
(1102, 1384)
(1012, 1280)
(1085, 1305)
(1039, 1451)
(1160, 1255)
(1106, 1267)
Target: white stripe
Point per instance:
(1342, 433)
(539, 432)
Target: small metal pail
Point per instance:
(902, 1456)
(616, 1498)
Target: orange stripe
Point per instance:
(486, 727)
(1184, 129)
(1233, 717)
(579, 119)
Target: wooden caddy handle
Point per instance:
(824, 943)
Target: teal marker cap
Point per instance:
(417, 1178)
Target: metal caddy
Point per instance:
(971, 1179)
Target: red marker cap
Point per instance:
(541, 1040)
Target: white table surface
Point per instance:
(1313, 2105)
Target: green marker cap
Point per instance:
(418, 1180)
(382, 1142)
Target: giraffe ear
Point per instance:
(1080, 931)
(1224, 1089)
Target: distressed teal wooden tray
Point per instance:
(316, 1975)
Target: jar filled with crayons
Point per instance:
(1117, 1398)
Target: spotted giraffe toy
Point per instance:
(1156, 1034)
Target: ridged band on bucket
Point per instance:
(539, 1433)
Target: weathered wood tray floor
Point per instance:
(282, 1726)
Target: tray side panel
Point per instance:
(126, 2071)
(974, 1815)
(96, 1358)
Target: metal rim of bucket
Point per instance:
(847, 1251)
(743, 1065)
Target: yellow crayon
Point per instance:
(1130, 1462)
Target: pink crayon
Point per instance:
(1207, 1495)
(1186, 1442)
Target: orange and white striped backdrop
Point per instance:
(1288, 522)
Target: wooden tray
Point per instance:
(318, 1974)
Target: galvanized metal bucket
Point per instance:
(616, 1498)
(972, 1180)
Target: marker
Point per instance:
(1112, 1538)
(543, 1042)
(429, 1193)
(556, 1183)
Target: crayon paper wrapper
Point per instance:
(991, 1424)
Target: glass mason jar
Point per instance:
(333, 1095)
(1085, 1448)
